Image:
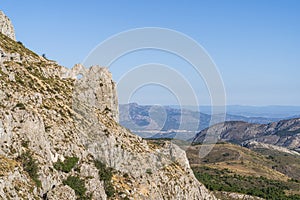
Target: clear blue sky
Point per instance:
(255, 44)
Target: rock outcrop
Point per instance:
(6, 26)
(94, 87)
(258, 145)
(59, 138)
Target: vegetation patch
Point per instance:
(11, 46)
(30, 165)
(279, 162)
(21, 106)
(105, 175)
(25, 143)
(224, 180)
(149, 171)
(6, 165)
(77, 185)
(67, 165)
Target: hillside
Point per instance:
(59, 137)
(285, 133)
(232, 168)
(257, 162)
(235, 172)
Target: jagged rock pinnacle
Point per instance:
(6, 26)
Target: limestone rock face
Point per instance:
(6, 26)
(12, 176)
(59, 138)
(94, 87)
(61, 192)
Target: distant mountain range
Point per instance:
(169, 121)
(285, 133)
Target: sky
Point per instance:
(254, 44)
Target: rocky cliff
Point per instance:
(6, 26)
(59, 137)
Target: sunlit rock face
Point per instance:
(6, 26)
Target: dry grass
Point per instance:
(6, 165)
(237, 159)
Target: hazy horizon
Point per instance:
(207, 105)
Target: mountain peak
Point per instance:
(6, 26)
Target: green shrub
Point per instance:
(25, 143)
(125, 175)
(77, 185)
(19, 80)
(109, 189)
(30, 165)
(20, 106)
(223, 180)
(226, 154)
(66, 166)
(105, 175)
(149, 171)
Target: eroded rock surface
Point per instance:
(6, 26)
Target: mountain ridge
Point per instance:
(165, 121)
(284, 133)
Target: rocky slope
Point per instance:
(285, 133)
(59, 138)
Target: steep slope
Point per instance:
(59, 138)
(284, 133)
